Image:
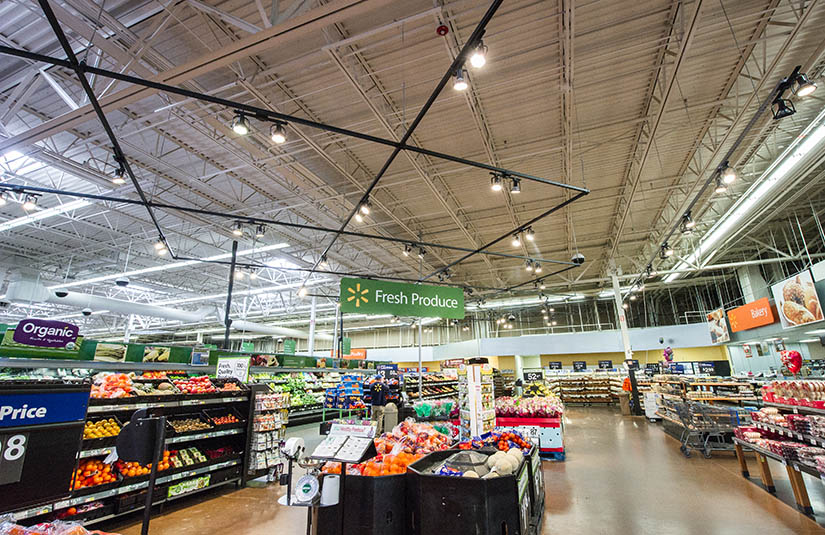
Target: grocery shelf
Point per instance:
(436, 396)
(151, 405)
(202, 436)
(797, 409)
(816, 441)
(799, 467)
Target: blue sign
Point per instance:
(18, 410)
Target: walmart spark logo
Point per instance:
(358, 295)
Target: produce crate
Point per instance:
(549, 432)
(170, 431)
(95, 443)
(211, 414)
(219, 383)
(375, 506)
(443, 504)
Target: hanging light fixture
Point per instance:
(253, 275)
(479, 57)
(495, 182)
(460, 83)
(238, 274)
(359, 217)
(260, 231)
(689, 222)
(667, 250)
(515, 185)
(538, 268)
(728, 174)
(782, 108)
(365, 206)
(30, 203)
(804, 86)
(238, 230)
(323, 262)
(542, 286)
(239, 124)
(278, 133)
(421, 252)
(528, 266)
(119, 178)
(302, 292)
(407, 249)
(720, 186)
(516, 240)
(529, 234)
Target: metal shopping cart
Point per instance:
(708, 427)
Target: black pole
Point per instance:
(160, 445)
(226, 320)
(341, 336)
(634, 392)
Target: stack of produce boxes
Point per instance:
(346, 395)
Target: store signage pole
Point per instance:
(628, 352)
(335, 353)
(311, 343)
(420, 338)
(226, 320)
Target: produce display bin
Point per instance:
(549, 432)
(374, 505)
(443, 504)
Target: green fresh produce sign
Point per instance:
(289, 346)
(366, 296)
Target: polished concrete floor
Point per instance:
(622, 476)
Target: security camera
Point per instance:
(511, 317)
(86, 311)
(61, 293)
(280, 340)
(122, 281)
(578, 259)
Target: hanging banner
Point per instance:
(289, 346)
(45, 333)
(797, 301)
(718, 327)
(366, 296)
(751, 315)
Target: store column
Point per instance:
(752, 283)
(628, 351)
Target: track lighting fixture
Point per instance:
(479, 57)
(782, 108)
(260, 231)
(554, 323)
(515, 185)
(516, 240)
(278, 133)
(238, 230)
(365, 206)
(448, 274)
(238, 275)
(728, 174)
(302, 292)
(460, 83)
(529, 234)
(535, 284)
(421, 252)
(537, 267)
(665, 251)
(440, 277)
(159, 244)
(465, 328)
(323, 262)
(359, 217)
(542, 286)
(239, 124)
(119, 178)
(407, 249)
(720, 186)
(528, 266)
(3, 199)
(495, 182)
(29, 203)
(689, 223)
(253, 276)
(804, 87)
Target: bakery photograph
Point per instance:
(797, 301)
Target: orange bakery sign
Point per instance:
(751, 315)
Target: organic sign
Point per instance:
(233, 368)
(366, 296)
(579, 365)
(605, 364)
(751, 315)
(45, 333)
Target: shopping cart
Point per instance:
(708, 427)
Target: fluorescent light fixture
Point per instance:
(810, 138)
(43, 214)
(171, 265)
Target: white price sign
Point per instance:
(233, 368)
(12, 457)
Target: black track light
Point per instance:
(365, 206)
(529, 234)
(460, 83)
(407, 249)
(479, 57)
(515, 185)
(421, 252)
(804, 86)
(239, 124)
(687, 224)
(238, 230)
(260, 231)
(120, 176)
(278, 133)
(495, 182)
(720, 185)
(782, 108)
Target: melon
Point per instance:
(470, 474)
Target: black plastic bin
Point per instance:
(536, 478)
(442, 504)
(374, 506)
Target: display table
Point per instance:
(547, 432)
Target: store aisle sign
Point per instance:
(605, 364)
(579, 365)
(233, 368)
(751, 315)
(17, 410)
(45, 333)
(366, 296)
(554, 365)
